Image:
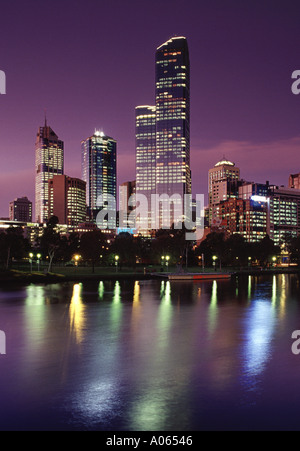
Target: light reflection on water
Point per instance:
(150, 355)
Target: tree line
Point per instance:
(167, 246)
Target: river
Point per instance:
(151, 355)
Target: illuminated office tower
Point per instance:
(284, 213)
(99, 169)
(223, 184)
(172, 100)
(49, 161)
(145, 132)
(67, 200)
(20, 209)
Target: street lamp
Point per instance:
(38, 261)
(214, 261)
(76, 257)
(30, 260)
(167, 261)
(274, 260)
(116, 262)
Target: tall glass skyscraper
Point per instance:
(49, 161)
(99, 169)
(145, 129)
(172, 99)
(163, 130)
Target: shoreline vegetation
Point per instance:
(78, 274)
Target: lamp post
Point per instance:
(214, 261)
(30, 260)
(116, 262)
(274, 260)
(38, 261)
(167, 261)
(76, 257)
(249, 261)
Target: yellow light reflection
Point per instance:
(283, 295)
(136, 293)
(213, 307)
(76, 313)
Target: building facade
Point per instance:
(172, 101)
(49, 161)
(67, 200)
(20, 209)
(284, 214)
(99, 170)
(294, 181)
(223, 184)
(145, 141)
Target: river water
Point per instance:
(151, 355)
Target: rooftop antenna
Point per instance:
(45, 112)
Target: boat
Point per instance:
(200, 276)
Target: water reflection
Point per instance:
(259, 328)
(76, 314)
(136, 361)
(213, 307)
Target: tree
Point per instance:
(12, 245)
(92, 245)
(214, 244)
(265, 249)
(50, 241)
(126, 247)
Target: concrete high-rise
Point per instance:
(99, 169)
(223, 184)
(49, 161)
(67, 200)
(20, 209)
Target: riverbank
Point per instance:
(61, 274)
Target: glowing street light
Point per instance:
(214, 261)
(116, 262)
(38, 260)
(77, 258)
(167, 261)
(30, 260)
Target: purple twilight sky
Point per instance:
(90, 62)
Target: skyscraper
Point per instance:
(163, 135)
(222, 185)
(20, 209)
(49, 161)
(172, 100)
(67, 200)
(145, 133)
(99, 169)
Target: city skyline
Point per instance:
(242, 59)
